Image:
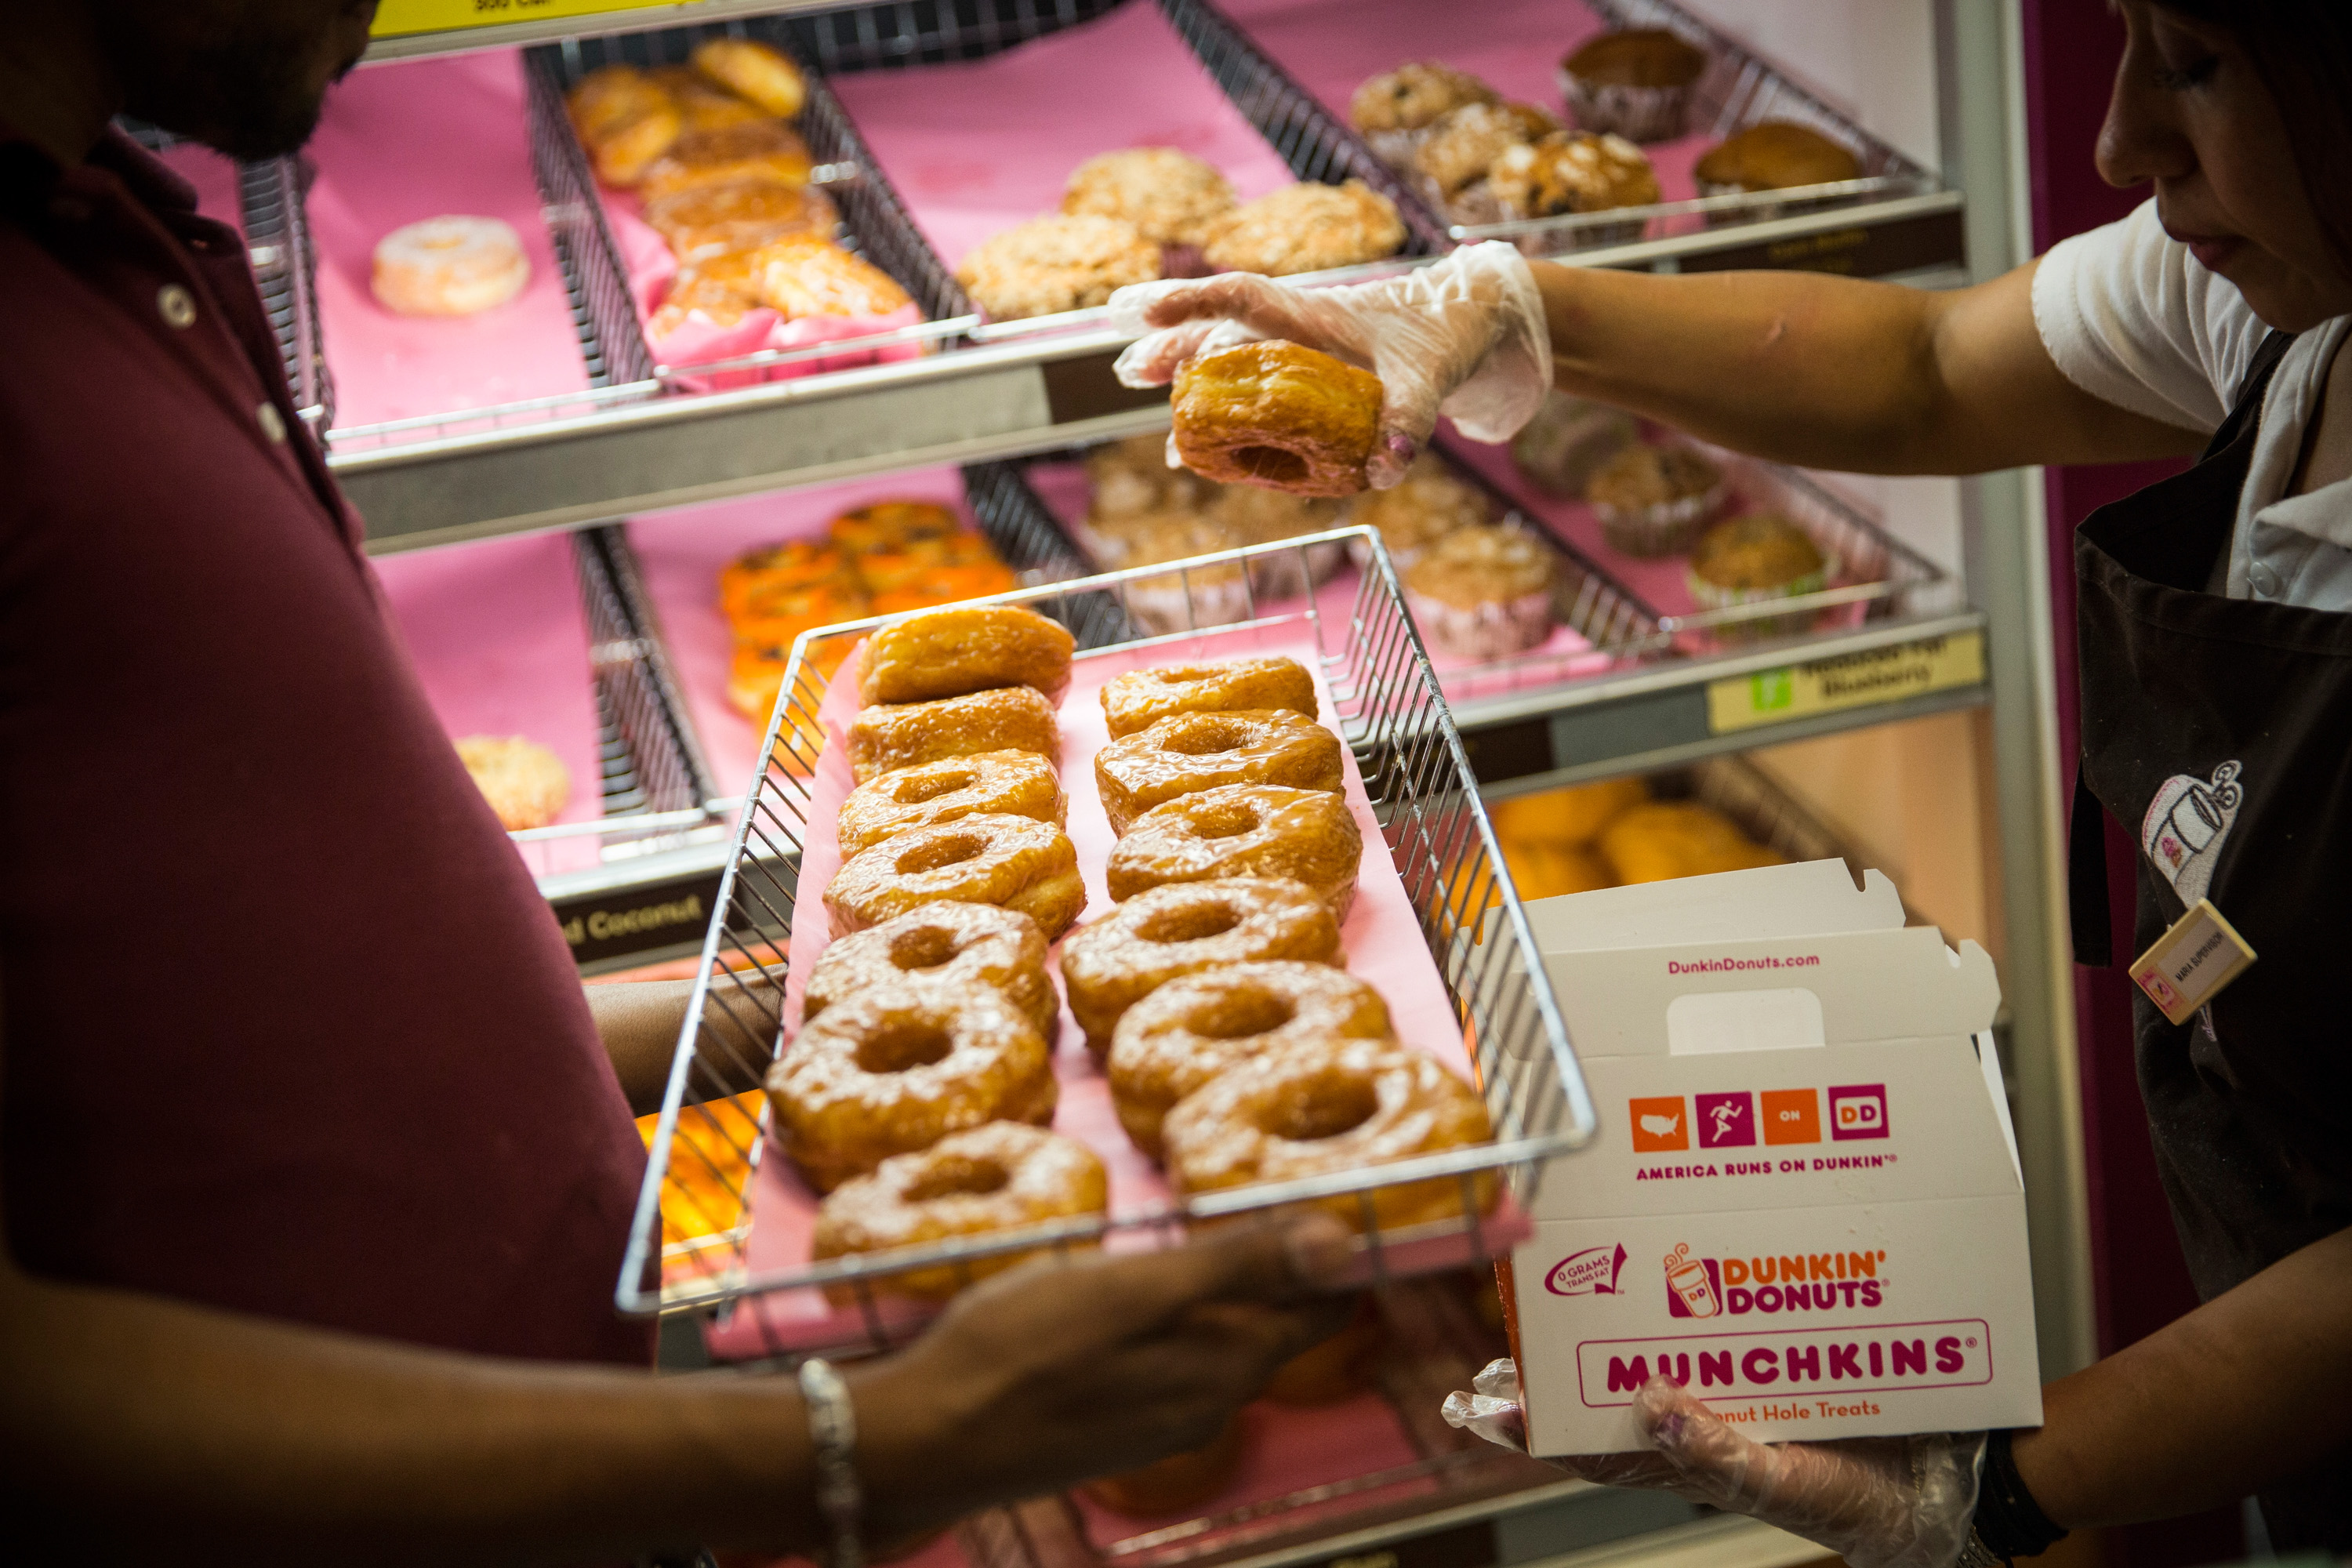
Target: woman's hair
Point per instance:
(2303, 51)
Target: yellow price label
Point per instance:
(394, 18)
(1850, 680)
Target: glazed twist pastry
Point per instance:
(1243, 830)
(1187, 752)
(956, 944)
(1009, 862)
(1183, 928)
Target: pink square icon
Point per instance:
(1858, 1111)
(1725, 1120)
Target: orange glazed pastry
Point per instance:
(1181, 929)
(705, 221)
(1243, 830)
(885, 736)
(958, 945)
(1142, 698)
(1187, 752)
(757, 150)
(948, 653)
(1011, 784)
(1009, 862)
(1277, 415)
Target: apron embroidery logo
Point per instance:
(2187, 823)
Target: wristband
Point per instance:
(2008, 1520)
(832, 1431)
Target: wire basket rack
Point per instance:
(689, 1242)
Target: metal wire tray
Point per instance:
(1389, 712)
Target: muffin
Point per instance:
(1567, 172)
(1481, 592)
(1430, 502)
(1170, 197)
(1636, 83)
(1395, 109)
(1655, 501)
(1211, 595)
(1568, 441)
(1463, 146)
(1305, 227)
(1049, 265)
(1252, 514)
(1752, 559)
(1664, 839)
(1131, 479)
(1774, 155)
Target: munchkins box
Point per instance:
(1803, 1202)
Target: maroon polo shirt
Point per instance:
(288, 1029)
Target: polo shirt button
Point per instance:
(273, 425)
(177, 305)
(2264, 580)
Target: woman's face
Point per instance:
(2190, 115)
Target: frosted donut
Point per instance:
(1187, 752)
(526, 784)
(887, 1072)
(959, 945)
(1199, 1026)
(884, 735)
(1183, 928)
(1277, 415)
(452, 266)
(1003, 784)
(1315, 1107)
(753, 70)
(999, 1176)
(1243, 830)
(1008, 861)
(973, 648)
(1142, 698)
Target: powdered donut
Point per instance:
(452, 266)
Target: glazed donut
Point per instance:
(1142, 698)
(753, 70)
(999, 1176)
(1340, 1367)
(959, 945)
(890, 1071)
(1177, 1482)
(1243, 830)
(971, 647)
(1277, 415)
(997, 784)
(1008, 861)
(1187, 752)
(449, 267)
(890, 735)
(1181, 929)
(1318, 1106)
(1200, 1025)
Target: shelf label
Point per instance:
(394, 18)
(1850, 680)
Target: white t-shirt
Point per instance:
(2130, 317)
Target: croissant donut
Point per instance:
(962, 945)
(1184, 928)
(1187, 752)
(1243, 830)
(1277, 415)
(1009, 862)
(1003, 784)
(1142, 698)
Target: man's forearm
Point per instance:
(2252, 1387)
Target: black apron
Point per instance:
(2218, 731)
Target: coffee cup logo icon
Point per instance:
(1692, 1284)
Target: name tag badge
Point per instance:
(2188, 965)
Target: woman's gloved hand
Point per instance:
(1878, 1502)
(1464, 337)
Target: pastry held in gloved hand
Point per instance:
(1464, 337)
(1277, 415)
(1878, 1502)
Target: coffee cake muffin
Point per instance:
(1571, 172)
(1655, 501)
(1059, 263)
(1774, 156)
(1636, 82)
(1395, 109)
(1306, 227)
(1465, 143)
(1753, 560)
(1481, 592)
(1430, 502)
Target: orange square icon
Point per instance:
(1659, 1124)
(1792, 1116)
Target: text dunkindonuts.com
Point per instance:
(1731, 965)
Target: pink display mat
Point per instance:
(680, 556)
(977, 147)
(403, 143)
(1381, 936)
(497, 634)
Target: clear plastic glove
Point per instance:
(1878, 1502)
(1464, 337)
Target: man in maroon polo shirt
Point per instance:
(317, 1159)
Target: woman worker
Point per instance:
(2216, 658)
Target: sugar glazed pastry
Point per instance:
(1753, 560)
(1049, 265)
(1395, 109)
(1306, 227)
(1481, 592)
(1195, 1027)
(885, 736)
(957, 944)
(1170, 197)
(1636, 82)
(1431, 501)
(1569, 173)
(1656, 501)
(999, 1176)
(1010, 861)
(803, 275)
(1277, 415)
(1183, 928)
(451, 266)
(526, 784)
(1774, 155)
(1320, 1107)
(889, 1072)
(1142, 698)
(1243, 830)
(1187, 752)
(949, 652)
(1010, 784)
(754, 71)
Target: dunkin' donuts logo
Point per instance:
(1783, 1282)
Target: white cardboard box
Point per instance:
(1803, 1202)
